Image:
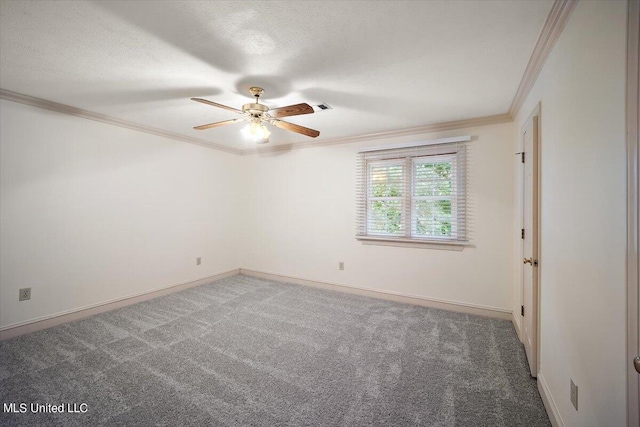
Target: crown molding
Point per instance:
(553, 26)
(67, 109)
(437, 127)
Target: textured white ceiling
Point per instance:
(383, 65)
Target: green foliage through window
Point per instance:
(433, 216)
(386, 217)
(432, 190)
(387, 181)
(433, 179)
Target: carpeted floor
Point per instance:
(246, 351)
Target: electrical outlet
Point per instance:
(24, 294)
(198, 261)
(574, 394)
(341, 265)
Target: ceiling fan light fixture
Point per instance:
(256, 132)
(258, 114)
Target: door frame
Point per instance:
(633, 224)
(535, 118)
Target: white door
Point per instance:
(530, 243)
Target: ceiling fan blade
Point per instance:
(295, 128)
(215, 104)
(216, 124)
(291, 110)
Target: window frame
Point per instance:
(410, 159)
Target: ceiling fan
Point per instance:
(258, 114)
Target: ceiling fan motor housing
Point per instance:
(256, 110)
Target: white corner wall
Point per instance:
(582, 265)
(298, 220)
(92, 212)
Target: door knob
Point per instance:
(528, 261)
(636, 364)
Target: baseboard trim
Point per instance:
(49, 321)
(459, 307)
(549, 403)
(516, 326)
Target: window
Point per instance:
(413, 194)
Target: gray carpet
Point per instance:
(247, 351)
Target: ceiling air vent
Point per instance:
(323, 106)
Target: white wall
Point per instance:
(92, 212)
(299, 220)
(582, 263)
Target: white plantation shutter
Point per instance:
(415, 193)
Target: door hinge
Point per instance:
(522, 233)
(522, 310)
(522, 157)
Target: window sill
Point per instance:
(445, 245)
